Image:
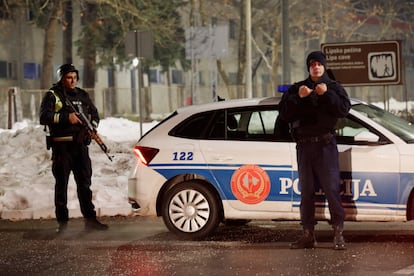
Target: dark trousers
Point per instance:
(67, 157)
(318, 166)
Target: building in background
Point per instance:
(115, 93)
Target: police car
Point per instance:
(235, 161)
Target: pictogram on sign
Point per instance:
(250, 184)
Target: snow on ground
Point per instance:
(27, 183)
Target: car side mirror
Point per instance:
(366, 136)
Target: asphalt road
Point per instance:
(143, 246)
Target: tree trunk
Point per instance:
(67, 32)
(89, 68)
(89, 53)
(224, 76)
(50, 43)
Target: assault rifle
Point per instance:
(89, 128)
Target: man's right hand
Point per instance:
(73, 119)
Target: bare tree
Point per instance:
(87, 46)
(53, 15)
(67, 27)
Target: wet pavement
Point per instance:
(143, 246)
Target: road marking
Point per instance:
(406, 271)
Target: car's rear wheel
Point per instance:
(191, 210)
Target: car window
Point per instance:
(262, 122)
(250, 125)
(242, 124)
(349, 127)
(400, 127)
(218, 127)
(193, 127)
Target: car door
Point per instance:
(251, 159)
(370, 164)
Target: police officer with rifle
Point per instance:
(71, 118)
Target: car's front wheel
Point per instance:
(191, 210)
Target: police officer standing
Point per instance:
(312, 108)
(69, 142)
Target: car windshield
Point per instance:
(395, 124)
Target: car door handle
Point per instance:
(222, 158)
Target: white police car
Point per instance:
(234, 160)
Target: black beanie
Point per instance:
(316, 56)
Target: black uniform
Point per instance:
(313, 121)
(69, 145)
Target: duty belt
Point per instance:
(315, 139)
(63, 139)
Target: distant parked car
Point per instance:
(235, 160)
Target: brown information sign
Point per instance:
(365, 63)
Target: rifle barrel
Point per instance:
(90, 129)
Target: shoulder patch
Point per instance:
(58, 103)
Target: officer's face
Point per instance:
(316, 70)
(70, 80)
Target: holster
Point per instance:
(49, 142)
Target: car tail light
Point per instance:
(145, 154)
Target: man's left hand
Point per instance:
(321, 88)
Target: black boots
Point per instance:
(339, 242)
(94, 224)
(307, 240)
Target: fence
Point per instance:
(19, 104)
(157, 101)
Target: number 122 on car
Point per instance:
(182, 155)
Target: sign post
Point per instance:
(139, 45)
(365, 63)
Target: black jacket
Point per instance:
(54, 112)
(314, 115)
